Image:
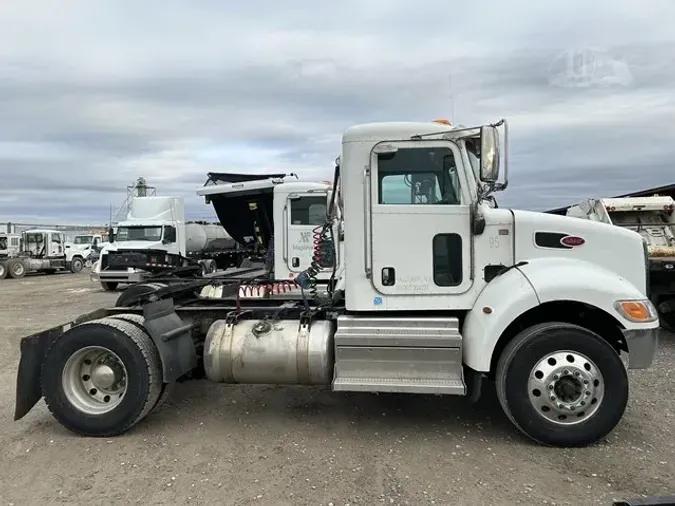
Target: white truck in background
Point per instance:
(89, 245)
(154, 239)
(654, 219)
(284, 217)
(39, 251)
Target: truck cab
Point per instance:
(87, 244)
(279, 216)
(10, 245)
(151, 238)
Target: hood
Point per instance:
(540, 235)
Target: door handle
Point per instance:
(388, 276)
(295, 262)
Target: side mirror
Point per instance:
(489, 154)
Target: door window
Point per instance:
(418, 176)
(308, 210)
(447, 252)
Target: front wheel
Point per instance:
(562, 385)
(102, 377)
(109, 286)
(3, 270)
(76, 265)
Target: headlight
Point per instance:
(637, 311)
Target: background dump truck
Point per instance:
(437, 291)
(654, 219)
(38, 251)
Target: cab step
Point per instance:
(406, 355)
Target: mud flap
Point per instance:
(172, 337)
(28, 383)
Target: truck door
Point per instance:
(56, 244)
(304, 213)
(419, 226)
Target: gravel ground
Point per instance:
(219, 444)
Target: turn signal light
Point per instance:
(639, 311)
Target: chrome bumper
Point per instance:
(642, 344)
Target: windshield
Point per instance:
(139, 234)
(83, 239)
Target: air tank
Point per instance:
(200, 238)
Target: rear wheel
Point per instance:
(16, 269)
(562, 385)
(137, 320)
(76, 265)
(109, 286)
(101, 378)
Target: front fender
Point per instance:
(556, 279)
(500, 302)
(539, 281)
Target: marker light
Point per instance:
(443, 121)
(638, 311)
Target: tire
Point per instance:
(76, 265)
(667, 321)
(537, 416)
(109, 286)
(16, 269)
(3, 270)
(134, 291)
(100, 417)
(211, 266)
(167, 388)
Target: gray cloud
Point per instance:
(97, 96)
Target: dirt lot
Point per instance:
(218, 444)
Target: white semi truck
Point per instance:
(654, 219)
(439, 290)
(39, 251)
(154, 239)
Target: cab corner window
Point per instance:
(418, 176)
(447, 261)
(308, 210)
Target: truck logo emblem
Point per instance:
(304, 236)
(572, 241)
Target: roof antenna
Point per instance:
(452, 99)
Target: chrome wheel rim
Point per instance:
(566, 387)
(94, 380)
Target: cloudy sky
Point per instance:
(97, 93)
